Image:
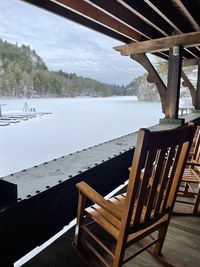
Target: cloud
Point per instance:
(64, 44)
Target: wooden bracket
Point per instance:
(153, 77)
(197, 101)
(190, 86)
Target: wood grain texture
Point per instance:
(155, 175)
(160, 44)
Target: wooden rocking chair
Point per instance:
(155, 177)
(190, 186)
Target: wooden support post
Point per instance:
(197, 102)
(173, 84)
(153, 77)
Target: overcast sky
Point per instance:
(64, 44)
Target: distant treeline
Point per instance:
(23, 73)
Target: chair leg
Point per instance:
(119, 253)
(197, 201)
(161, 235)
(186, 188)
(80, 215)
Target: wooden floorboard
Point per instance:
(181, 249)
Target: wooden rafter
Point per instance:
(119, 12)
(161, 44)
(112, 22)
(148, 17)
(130, 21)
(141, 18)
(167, 11)
(187, 14)
(146, 13)
(62, 11)
(92, 13)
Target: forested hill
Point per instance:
(23, 73)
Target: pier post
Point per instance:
(1, 109)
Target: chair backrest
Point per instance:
(195, 158)
(156, 172)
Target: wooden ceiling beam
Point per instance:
(49, 5)
(175, 18)
(114, 9)
(161, 44)
(107, 7)
(143, 10)
(146, 13)
(168, 12)
(91, 13)
(193, 7)
(187, 14)
(116, 25)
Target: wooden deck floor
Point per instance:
(181, 249)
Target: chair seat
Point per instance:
(109, 222)
(190, 175)
(112, 224)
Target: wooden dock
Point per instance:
(20, 116)
(27, 113)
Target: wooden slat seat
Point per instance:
(191, 175)
(146, 206)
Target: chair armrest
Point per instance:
(96, 198)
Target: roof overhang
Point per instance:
(133, 21)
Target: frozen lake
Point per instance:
(75, 123)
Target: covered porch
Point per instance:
(181, 248)
(167, 29)
(37, 215)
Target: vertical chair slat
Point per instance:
(138, 164)
(143, 190)
(172, 175)
(167, 174)
(156, 182)
(178, 172)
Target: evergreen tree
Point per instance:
(24, 74)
